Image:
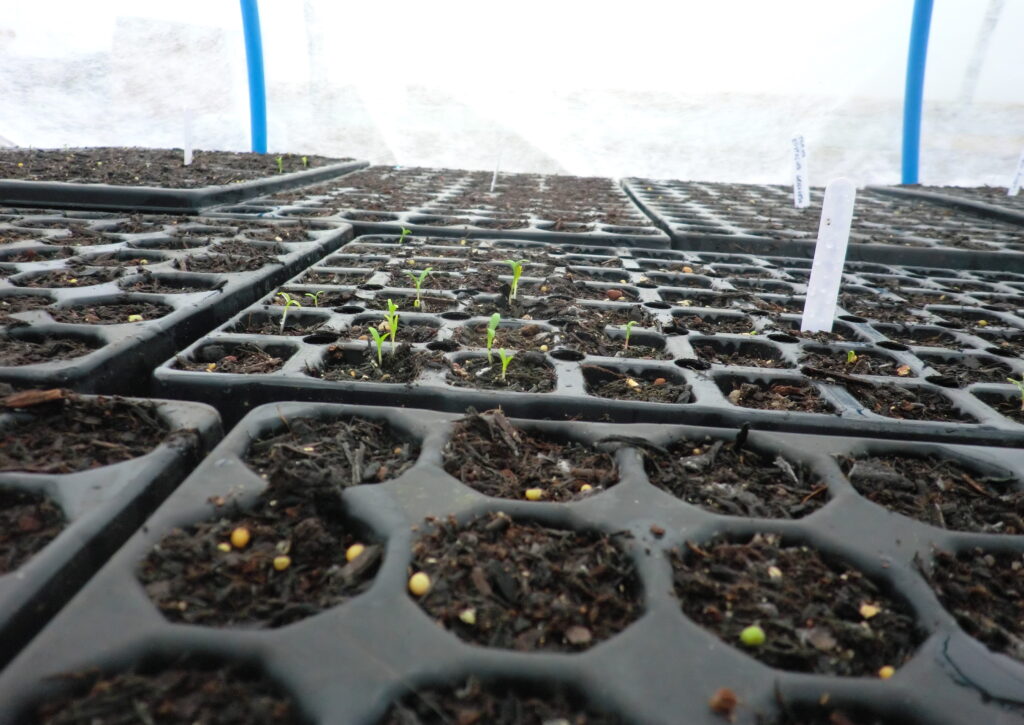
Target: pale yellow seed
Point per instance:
(282, 562)
(354, 551)
(419, 584)
(886, 672)
(224, 546)
(774, 572)
(586, 487)
(468, 616)
(543, 348)
(868, 610)
(240, 537)
(632, 383)
(534, 494)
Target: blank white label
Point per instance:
(1018, 178)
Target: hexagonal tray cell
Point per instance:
(908, 403)
(138, 306)
(849, 360)
(958, 371)
(733, 479)
(524, 372)
(793, 608)
(942, 492)
(499, 582)
(739, 353)
(77, 473)
(777, 394)
(493, 456)
(636, 383)
(239, 358)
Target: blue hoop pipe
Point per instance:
(257, 86)
(914, 92)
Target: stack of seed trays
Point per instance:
(94, 300)
(663, 574)
(78, 475)
(460, 203)
(990, 201)
(762, 219)
(154, 180)
(705, 343)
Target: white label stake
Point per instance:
(497, 165)
(829, 256)
(801, 192)
(188, 136)
(1018, 178)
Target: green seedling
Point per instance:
(378, 339)
(506, 358)
(280, 164)
(403, 235)
(315, 296)
(289, 301)
(629, 331)
(1020, 389)
(418, 278)
(492, 329)
(305, 162)
(851, 357)
(517, 272)
(392, 317)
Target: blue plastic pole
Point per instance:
(257, 87)
(914, 92)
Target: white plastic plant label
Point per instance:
(829, 256)
(1018, 178)
(801, 191)
(187, 145)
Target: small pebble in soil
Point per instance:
(240, 537)
(353, 552)
(419, 584)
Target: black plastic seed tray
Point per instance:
(64, 195)
(101, 507)
(990, 201)
(571, 343)
(99, 299)
(442, 202)
(761, 219)
(347, 664)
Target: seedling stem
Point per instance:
(506, 358)
(492, 329)
(289, 301)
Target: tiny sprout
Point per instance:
(305, 162)
(851, 357)
(629, 331)
(492, 329)
(418, 278)
(289, 301)
(586, 488)
(506, 358)
(354, 552)
(378, 339)
(419, 584)
(753, 636)
(468, 616)
(517, 272)
(1020, 389)
(315, 296)
(224, 546)
(392, 317)
(405, 233)
(240, 537)
(134, 318)
(280, 164)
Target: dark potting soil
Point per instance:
(258, 323)
(12, 303)
(198, 575)
(792, 327)
(527, 337)
(726, 479)
(878, 309)
(490, 455)
(1012, 408)
(894, 401)
(818, 615)
(146, 167)
(171, 697)
(983, 590)
(75, 434)
(750, 354)
(39, 255)
(335, 278)
(528, 372)
(326, 299)
(116, 313)
(15, 352)
(71, 277)
(280, 233)
(970, 369)
(112, 259)
(712, 324)
(1007, 341)
(399, 364)
(920, 336)
(527, 587)
(428, 303)
(864, 363)
(796, 396)
(8, 236)
(646, 386)
(587, 335)
(476, 703)
(940, 492)
(325, 453)
(966, 320)
(245, 359)
(28, 522)
(409, 332)
(82, 238)
(151, 284)
(565, 287)
(224, 262)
